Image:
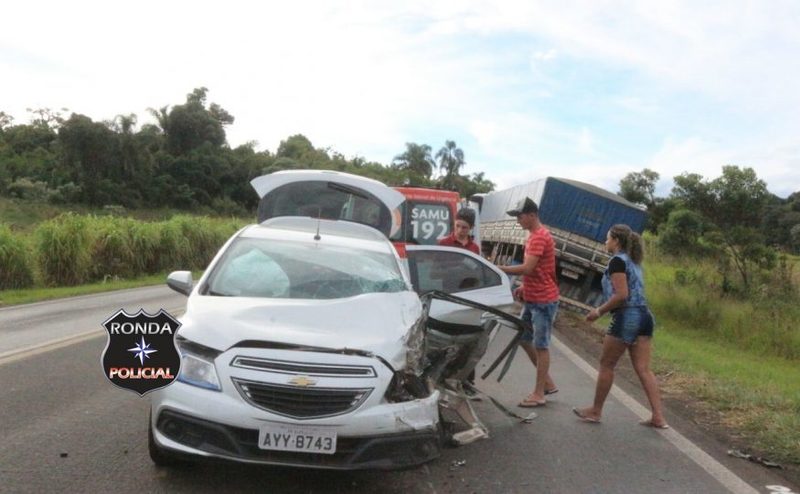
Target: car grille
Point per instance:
(303, 368)
(301, 402)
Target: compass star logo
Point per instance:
(142, 351)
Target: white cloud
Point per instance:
(365, 78)
(545, 56)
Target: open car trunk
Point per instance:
(328, 195)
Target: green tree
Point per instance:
(740, 197)
(794, 238)
(683, 233)
(128, 150)
(734, 204)
(297, 147)
(190, 125)
(693, 192)
(451, 161)
(45, 117)
(476, 184)
(780, 216)
(26, 138)
(5, 121)
(162, 117)
(88, 152)
(416, 162)
(658, 212)
(639, 187)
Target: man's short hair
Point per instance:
(466, 214)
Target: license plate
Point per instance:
(297, 438)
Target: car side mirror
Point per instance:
(180, 281)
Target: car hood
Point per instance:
(378, 323)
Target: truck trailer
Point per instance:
(578, 216)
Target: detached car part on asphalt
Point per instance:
(306, 341)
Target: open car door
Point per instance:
(328, 195)
(464, 274)
(457, 334)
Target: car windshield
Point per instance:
(279, 269)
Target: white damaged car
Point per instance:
(305, 342)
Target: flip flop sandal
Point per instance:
(585, 418)
(649, 423)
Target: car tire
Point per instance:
(160, 456)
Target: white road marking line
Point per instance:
(727, 478)
(49, 346)
(23, 353)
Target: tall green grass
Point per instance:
(16, 265)
(64, 250)
(74, 249)
(691, 296)
(112, 250)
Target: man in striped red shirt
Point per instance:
(539, 293)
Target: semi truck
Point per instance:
(578, 216)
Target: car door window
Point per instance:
(450, 272)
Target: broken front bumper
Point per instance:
(193, 436)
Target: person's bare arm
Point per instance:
(620, 283)
(526, 268)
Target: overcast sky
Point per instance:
(589, 90)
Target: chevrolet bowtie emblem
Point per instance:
(302, 381)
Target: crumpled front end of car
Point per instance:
(299, 406)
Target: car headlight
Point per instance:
(197, 365)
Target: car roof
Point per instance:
(332, 232)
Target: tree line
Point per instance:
(731, 219)
(183, 160)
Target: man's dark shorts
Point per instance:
(541, 316)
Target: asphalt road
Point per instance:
(65, 428)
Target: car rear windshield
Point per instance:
(280, 269)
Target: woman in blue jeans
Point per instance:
(631, 324)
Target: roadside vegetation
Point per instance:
(737, 356)
(73, 250)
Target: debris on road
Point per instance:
(755, 459)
